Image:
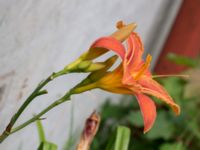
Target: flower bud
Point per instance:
(95, 66)
(84, 65)
(89, 82)
(90, 129)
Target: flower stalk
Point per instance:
(37, 92)
(82, 64)
(73, 67)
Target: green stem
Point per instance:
(36, 117)
(37, 92)
(34, 94)
(74, 90)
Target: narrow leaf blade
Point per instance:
(122, 138)
(40, 131)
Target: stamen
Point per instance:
(144, 67)
(171, 75)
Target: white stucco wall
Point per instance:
(38, 37)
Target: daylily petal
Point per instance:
(94, 53)
(130, 51)
(120, 35)
(144, 68)
(135, 51)
(112, 82)
(112, 78)
(148, 109)
(109, 43)
(134, 66)
(151, 87)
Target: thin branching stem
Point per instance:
(37, 92)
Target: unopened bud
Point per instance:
(84, 65)
(95, 67)
(98, 74)
(89, 82)
(90, 129)
(89, 66)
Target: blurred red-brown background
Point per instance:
(184, 38)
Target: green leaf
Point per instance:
(173, 146)
(194, 128)
(135, 118)
(47, 146)
(111, 142)
(44, 145)
(163, 127)
(122, 139)
(40, 131)
(182, 60)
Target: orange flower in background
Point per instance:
(133, 76)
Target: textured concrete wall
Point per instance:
(38, 37)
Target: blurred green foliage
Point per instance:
(169, 132)
(119, 140)
(183, 60)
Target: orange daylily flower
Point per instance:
(133, 76)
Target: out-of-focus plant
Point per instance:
(119, 140)
(169, 132)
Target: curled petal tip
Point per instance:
(120, 24)
(146, 130)
(176, 109)
(124, 31)
(148, 126)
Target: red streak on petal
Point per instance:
(135, 51)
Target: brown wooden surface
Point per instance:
(184, 38)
